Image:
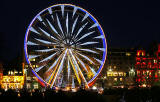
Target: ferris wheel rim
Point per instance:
(91, 16)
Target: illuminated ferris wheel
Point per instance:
(65, 46)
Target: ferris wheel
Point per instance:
(65, 46)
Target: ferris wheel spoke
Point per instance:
(86, 57)
(31, 43)
(86, 15)
(49, 35)
(68, 67)
(53, 69)
(89, 50)
(87, 43)
(74, 11)
(39, 42)
(79, 31)
(100, 37)
(45, 50)
(54, 30)
(39, 68)
(94, 25)
(41, 20)
(101, 49)
(54, 64)
(62, 8)
(50, 10)
(99, 61)
(79, 70)
(33, 30)
(49, 57)
(85, 65)
(93, 71)
(59, 25)
(44, 41)
(74, 68)
(81, 62)
(85, 35)
(59, 69)
(74, 24)
(67, 23)
(33, 56)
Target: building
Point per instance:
(119, 68)
(1, 73)
(12, 82)
(147, 68)
(11, 75)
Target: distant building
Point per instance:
(147, 68)
(1, 72)
(12, 79)
(119, 68)
(12, 82)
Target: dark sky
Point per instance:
(125, 23)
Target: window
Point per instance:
(28, 78)
(128, 54)
(121, 79)
(109, 73)
(28, 85)
(120, 73)
(35, 86)
(115, 79)
(115, 74)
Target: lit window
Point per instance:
(109, 73)
(115, 79)
(28, 85)
(35, 86)
(28, 78)
(120, 73)
(115, 74)
(138, 53)
(114, 67)
(128, 54)
(121, 79)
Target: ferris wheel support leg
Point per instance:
(81, 74)
(59, 69)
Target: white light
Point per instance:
(110, 69)
(94, 88)
(132, 70)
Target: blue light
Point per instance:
(95, 21)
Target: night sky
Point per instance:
(125, 23)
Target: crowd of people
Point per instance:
(108, 95)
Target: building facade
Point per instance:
(147, 68)
(119, 68)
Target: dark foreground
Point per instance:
(109, 95)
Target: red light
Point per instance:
(144, 58)
(144, 63)
(149, 63)
(138, 59)
(138, 63)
